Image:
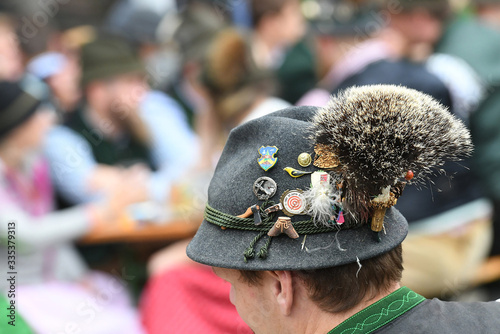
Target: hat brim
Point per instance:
(224, 248)
(106, 72)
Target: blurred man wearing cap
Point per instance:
(113, 134)
(355, 48)
(479, 30)
(300, 220)
(359, 46)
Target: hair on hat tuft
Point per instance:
(381, 133)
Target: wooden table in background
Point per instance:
(146, 232)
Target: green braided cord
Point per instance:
(262, 254)
(225, 220)
(222, 219)
(250, 252)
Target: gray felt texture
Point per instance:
(230, 191)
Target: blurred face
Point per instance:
(123, 94)
(253, 304)
(289, 23)
(65, 84)
(127, 90)
(419, 26)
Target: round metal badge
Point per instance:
(293, 202)
(264, 188)
(304, 159)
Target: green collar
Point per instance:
(380, 313)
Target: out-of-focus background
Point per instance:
(105, 165)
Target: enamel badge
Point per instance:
(267, 159)
(293, 202)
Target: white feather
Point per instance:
(321, 200)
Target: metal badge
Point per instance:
(273, 208)
(283, 225)
(293, 202)
(295, 172)
(264, 188)
(267, 159)
(304, 159)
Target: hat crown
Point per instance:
(231, 189)
(107, 57)
(16, 106)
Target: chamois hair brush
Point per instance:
(372, 137)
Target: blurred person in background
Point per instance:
(61, 73)
(277, 25)
(475, 38)
(280, 42)
(111, 133)
(13, 57)
(459, 227)
(54, 288)
(488, 11)
(52, 65)
(353, 47)
(113, 138)
(199, 22)
(147, 26)
(11, 61)
(295, 74)
(236, 91)
(419, 25)
(363, 48)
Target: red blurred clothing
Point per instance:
(189, 299)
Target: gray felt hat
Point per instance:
(320, 202)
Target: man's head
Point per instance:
(340, 27)
(261, 296)
(113, 79)
(300, 206)
(24, 121)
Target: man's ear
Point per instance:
(282, 289)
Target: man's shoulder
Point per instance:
(436, 316)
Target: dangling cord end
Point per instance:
(264, 250)
(250, 252)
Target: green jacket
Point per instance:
(405, 311)
(479, 45)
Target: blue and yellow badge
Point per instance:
(267, 159)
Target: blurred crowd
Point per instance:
(103, 118)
